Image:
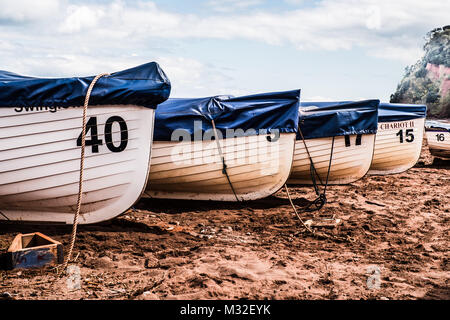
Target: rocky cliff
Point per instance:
(428, 81)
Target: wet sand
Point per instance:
(392, 243)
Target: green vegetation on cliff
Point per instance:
(428, 81)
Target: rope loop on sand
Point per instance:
(295, 210)
(321, 199)
(80, 181)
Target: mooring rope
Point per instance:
(4, 215)
(329, 166)
(312, 168)
(321, 199)
(224, 165)
(80, 182)
(295, 210)
(312, 231)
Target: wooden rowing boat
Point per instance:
(438, 138)
(256, 168)
(399, 138)
(343, 132)
(40, 146)
(239, 167)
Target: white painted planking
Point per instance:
(349, 162)
(438, 142)
(39, 162)
(256, 166)
(397, 146)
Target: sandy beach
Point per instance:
(392, 243)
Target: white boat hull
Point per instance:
(397, 146)
(40, 160)
(439, 143)
(256, 167)
(350, 160)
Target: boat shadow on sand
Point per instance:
(170, 206)
(436, 164)
(166, 206)
(118, 224)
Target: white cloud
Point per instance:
(6, 46)
(80, 18)
(317, 98)
(408, 54)
(191, 78)
(226, 6)
(65, 64)
(330, 25)
(294, 2)
(57, 38)
(17, 11)
(374, 18)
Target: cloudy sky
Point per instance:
(331, 49)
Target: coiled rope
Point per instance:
(80, 182)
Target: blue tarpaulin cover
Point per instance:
(438, 125)
(338, 118)
(145, 85)
(390, 112)
(265, 112)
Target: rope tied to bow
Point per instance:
(321, 199)
(224, 165)
(80, 181)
